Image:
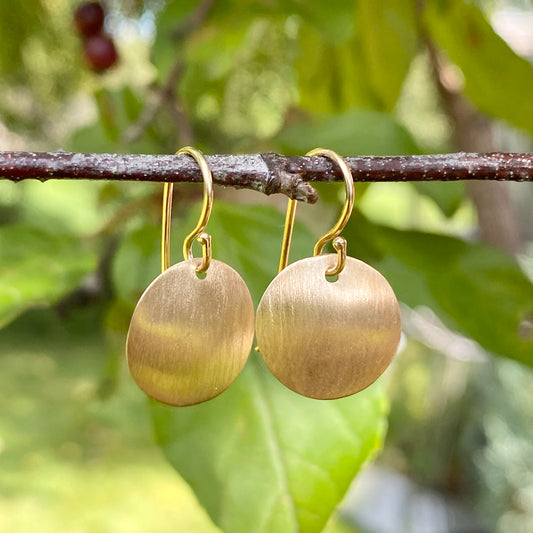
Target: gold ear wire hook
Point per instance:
(168, 189)
(339, 243)
(198, 232)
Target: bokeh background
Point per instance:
(81, 448)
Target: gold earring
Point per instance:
(327, 339)
(189, 338)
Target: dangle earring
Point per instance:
(192, 329)
(327, 339)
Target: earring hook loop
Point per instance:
(198, 232)
(339, 243)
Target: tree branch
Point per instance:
(166, 93)
(162, 95)
(473, 131)
(266, 173)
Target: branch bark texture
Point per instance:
(267, 173)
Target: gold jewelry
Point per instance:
(190, 337)
(327, 339)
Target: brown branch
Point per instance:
(166, 92)
(266, 173)
(159, 98)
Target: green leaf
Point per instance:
(92, 138)
(38, 268)
(173, 38)
(475, 289)
(335, 25)
(141, 248)
(331, 76)
(165, 49)
(448, 196)
(259, 457)
(355, 132)
(237, 85)
(19, 21)
(118, 110)
(359, 63)
(262, 458)
(498, 81)
(389, 42)
(111, 123)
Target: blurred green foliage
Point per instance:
(274, 75)
(70, 458)
(55, 266)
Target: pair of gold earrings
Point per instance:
(323, 339)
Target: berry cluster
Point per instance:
(98, 47)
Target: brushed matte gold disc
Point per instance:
(189, 338)
(328, 339)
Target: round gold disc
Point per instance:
(189, 338)
(328, 339)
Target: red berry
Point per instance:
(89, 18)
(100, 52)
